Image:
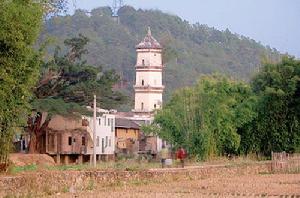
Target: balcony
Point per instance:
(152, 68)
(148, 87)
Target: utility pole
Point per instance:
(94, 132)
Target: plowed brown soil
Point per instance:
(269, 185)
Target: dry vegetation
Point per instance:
(230, 178)
(270, 185)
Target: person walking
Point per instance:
(164, 154)
(180, 155)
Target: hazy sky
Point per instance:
(272, 22)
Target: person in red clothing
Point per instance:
(181, 154)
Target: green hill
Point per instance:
(190, 50)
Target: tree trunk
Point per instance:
(36, 129)
(33, 144)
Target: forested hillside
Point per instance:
(190, 50)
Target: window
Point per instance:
(154, 54)
(104, 121)
(112, 125)
(99, 121)
(102, 145)
(83, 141)
(143, 62)
(106, 141)
(70, 140)
(143, 82)
(109, 142)
(142, 106)
(154, 106)
(98, 141)
(108, 122)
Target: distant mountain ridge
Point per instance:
(189, 50)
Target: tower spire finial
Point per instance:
(149, 31)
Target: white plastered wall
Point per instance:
(105, 130)
(153, 79)
(149, 100)
(150, 59)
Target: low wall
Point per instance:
(51, 182)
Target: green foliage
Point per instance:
(205, 118)
(278, 89)
(58, 106)
(189, 50)
(19, 169)
(20, 23)
(219, 116)
(67, 80)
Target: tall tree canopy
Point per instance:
(67, 86)
(278, 123)
(205, 118)
(219, 116)
(20, 23)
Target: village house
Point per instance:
(70, 140)
(127, 136)
(105, 135)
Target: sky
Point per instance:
(272, 22)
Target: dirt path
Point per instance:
(271, 185)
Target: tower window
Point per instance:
(70, 140)
(143, 82)
(102, 145)
(143, 62)
(142, 106)
(83, 141)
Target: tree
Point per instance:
(20, 23)
(277, 86)
(67, 86)
(206, 118)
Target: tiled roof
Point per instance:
(126, 123)
(121, 114)
(149, 42)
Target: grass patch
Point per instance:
(65, 189)
(91, 185)
(266, 173)
(18, 169)
(120, 165)
(75, 167)
(139, 182)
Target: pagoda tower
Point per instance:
(149, 67)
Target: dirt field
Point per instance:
(268, 185)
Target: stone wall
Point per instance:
(52, 182)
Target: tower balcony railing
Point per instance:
(149, 66)
(149, 87)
